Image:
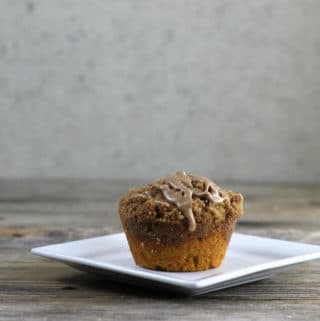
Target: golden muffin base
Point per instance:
(188, 256)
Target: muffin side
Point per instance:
(193, 254)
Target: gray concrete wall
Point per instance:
(124, 88)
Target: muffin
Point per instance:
(181, 222)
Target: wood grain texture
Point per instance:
(39, 212)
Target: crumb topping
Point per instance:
(181, 196)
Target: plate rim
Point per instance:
(173, 280)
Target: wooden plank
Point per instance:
(38, 212)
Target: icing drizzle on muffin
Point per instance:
(178, 188)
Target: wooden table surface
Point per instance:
(40, 212)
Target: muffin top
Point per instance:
(181, 198)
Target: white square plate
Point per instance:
(249, 258)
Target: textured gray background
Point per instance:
(127, 89)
